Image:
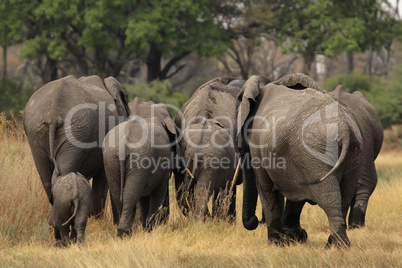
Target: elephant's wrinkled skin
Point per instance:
(363, 114)
(208, 122)
(368, 122)
(71, 196)
(139, 155)
(66, 121)
(308, 151)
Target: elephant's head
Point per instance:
(150, 109)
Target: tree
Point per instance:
(101, 36)
(11, 23)
(310, 27)
(175, 28)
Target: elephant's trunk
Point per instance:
(250, 194)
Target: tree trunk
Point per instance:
(153, 62)
(5, 60)
(49, 73)
(351, 64)
(308, 60)
(5, 53)
(53, 70)
(369, 62)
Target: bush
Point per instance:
(351, 82)
(384, 95)
(14, 96)
(158, 92)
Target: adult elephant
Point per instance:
(208, 122)
(299, 144)
(65, 122)
(139, 155)
(364, 115)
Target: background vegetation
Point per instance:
(27, 241)
(175, 46)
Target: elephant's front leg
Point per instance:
(202, 194)
(272, 202)
(291, 221)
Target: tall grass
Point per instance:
(26, 240)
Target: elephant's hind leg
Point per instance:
(328, 197)
(366, 185)
(159, 204)
(99, 194)
(291, 221)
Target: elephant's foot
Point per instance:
(356, 219)
(295, 234)
(124, 233)
(357, 216)
(338, 241)
(58, 244)
(277, 238)
(356, 225)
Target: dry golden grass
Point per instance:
(26, 240)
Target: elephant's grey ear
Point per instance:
(170, 125)
(119, 94)
(250, 91)
(175, 132)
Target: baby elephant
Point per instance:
(71, 196)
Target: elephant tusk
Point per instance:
(235, 175)
(189, 173)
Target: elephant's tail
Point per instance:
(52, 134)
(342, 156)
(122, 176)
(75, 200)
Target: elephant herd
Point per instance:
(287, 141)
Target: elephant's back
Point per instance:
(143, 136)
(215, 99)
(68, 99)
(365, 116)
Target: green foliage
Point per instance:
(351, 82)
(106, 34)
(14, 96)
(384, 95)
(330, 27)
(158, 92)
(12, 21)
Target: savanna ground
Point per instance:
(27, 241)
